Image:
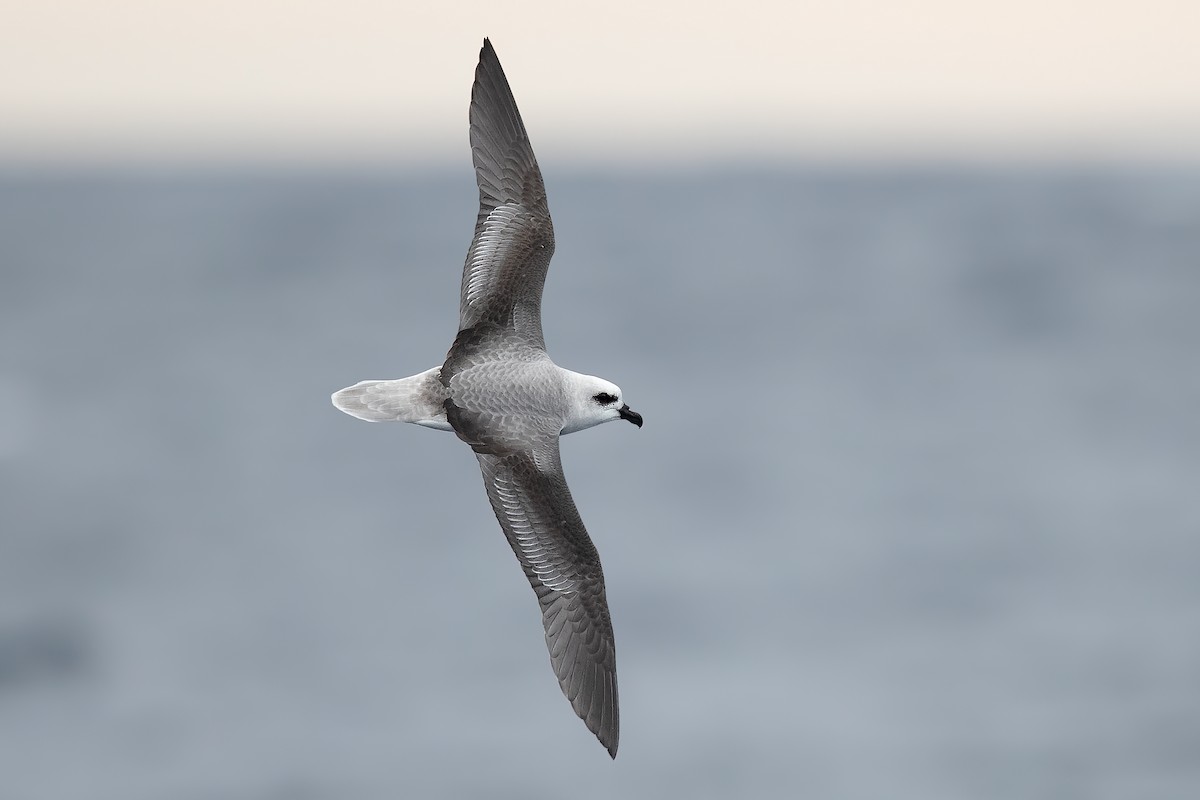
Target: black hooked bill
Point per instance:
(631, 415)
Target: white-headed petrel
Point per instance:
(499, 392)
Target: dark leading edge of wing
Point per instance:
(530, 497)
(514, 238)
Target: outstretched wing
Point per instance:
(530, 497)
(514, 238)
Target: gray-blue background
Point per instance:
(915, 511)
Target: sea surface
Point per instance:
(915, 512)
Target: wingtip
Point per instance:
(488, 61)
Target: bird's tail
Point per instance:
(418, 399)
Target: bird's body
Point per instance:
(499, 392)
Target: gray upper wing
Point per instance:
(530, 497)
(514, 238)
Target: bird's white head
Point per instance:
(595, 400)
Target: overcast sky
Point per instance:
(350, 80)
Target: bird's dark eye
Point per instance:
(604, 398)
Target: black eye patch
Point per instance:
(604, 398)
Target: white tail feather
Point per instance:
(417, 399)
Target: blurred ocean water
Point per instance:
(914, 514)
